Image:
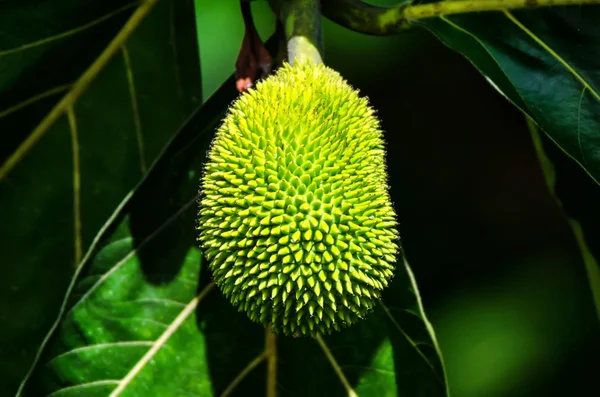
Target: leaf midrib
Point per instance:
(68, 33)
(162, 340)
(551, 51)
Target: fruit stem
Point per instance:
(302, 22)
(367, 18)
(271, 353)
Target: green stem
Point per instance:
(302, 22)
(380, 21)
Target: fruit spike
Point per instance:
(295, 216)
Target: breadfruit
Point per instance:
(295, 217)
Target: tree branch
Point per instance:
(366, 18)
(382, 21)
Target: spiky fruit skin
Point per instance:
(295, 215)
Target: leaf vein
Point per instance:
(191, 306)
(243, 373)
(336, 367)
(131, 318)
(487, 51)
(549, 49)
(579, 125)
(76, 187)
(84, 385)
(528, 109)
(175, 52)
(99, 346)
(379, 370)
(63, 307)
(68, 33)
(409, 339)
(134, 106)
(156, 300)
(130, 255)
(79, 87)
(34, 99)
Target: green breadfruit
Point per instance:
(295, 216)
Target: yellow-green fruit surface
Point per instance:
(295, 216)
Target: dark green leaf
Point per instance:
(144, 278)
(79, 128)
(138, 279)
(546, 61)
(578, 197)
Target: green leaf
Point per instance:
(578, 197)
(546, 61)
(90, 93)
(392, 352)
(141, 275)
(139, 320)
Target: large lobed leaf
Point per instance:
(546, 61)
(142, 318)
(79, 126)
